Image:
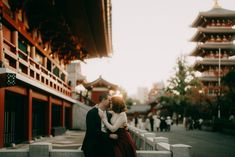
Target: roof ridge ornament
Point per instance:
(216, 4)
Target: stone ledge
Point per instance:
(163, 146)
(144, 153)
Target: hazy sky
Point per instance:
(148, 36)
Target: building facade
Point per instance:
(98, 87)
(35, 48)
(214, 37)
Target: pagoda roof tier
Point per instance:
(229, 47)
(213, 13)
(200, 65)
(100, 82)
(203, 32)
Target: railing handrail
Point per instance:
(30, 63)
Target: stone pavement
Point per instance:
(204, 143)
(70, 140)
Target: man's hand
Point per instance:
(113, 136)
(125, 126)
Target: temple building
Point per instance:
(98, 87)
(38, 39)
(214, 37)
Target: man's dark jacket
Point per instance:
(96, 143)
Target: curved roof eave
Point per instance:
(214, 12)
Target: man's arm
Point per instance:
(94, 126)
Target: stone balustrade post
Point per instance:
(144, 138)
(139, 138)
(159, 140)
(181, 150)
(41, 149)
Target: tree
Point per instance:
(228, 98)
(184, 79)
(181, 85)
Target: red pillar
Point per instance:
(62, 115)
(48, 119)
(29, 117)
(1, 39)
(2, 103)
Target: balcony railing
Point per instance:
(22, 63)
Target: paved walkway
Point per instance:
(204, 143)
(70, 140)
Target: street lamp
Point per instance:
(219, 79)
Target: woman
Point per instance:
(124, 145)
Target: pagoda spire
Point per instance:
(216, 4)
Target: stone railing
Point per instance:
(147, 141)
(46, 150)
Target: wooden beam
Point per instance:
(2, 104)
(56, 101)
(39, 96)
(18, 90)
(66, 104)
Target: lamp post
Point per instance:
(219, 78)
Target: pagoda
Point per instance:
(214, 37)
(98, 87)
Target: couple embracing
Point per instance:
(106, 134)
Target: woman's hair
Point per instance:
(118, 104)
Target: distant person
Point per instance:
(151, 121)
(168, 123)
(157, 123)
(177, 120)
(200, 121)
(163, 124)
(231, 117)
(147, 124)
(136, 121)
(190, 123)
(97, 141)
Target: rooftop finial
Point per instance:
(216, 4)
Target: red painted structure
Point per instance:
(38, 98)
(99, 87)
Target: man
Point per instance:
(97, 141)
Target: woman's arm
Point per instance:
(118, 124)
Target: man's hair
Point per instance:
(103, 96)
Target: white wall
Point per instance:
(79, 115)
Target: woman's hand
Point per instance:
(101, 114)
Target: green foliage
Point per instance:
(129, 103)
(180, 89)
(228, 97)
(183, 80)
